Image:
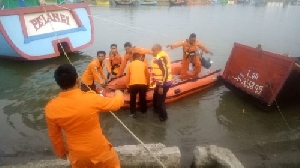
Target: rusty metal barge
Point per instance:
(263, 75)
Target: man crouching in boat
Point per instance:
(113, 62)
(190, 46)
(77, 114)
(94, 72)
(161, 78)
(129, 56)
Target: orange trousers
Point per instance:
(185, 66)
(113, 162)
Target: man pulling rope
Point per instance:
(87, 161)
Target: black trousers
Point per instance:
(141, 90)
(159, 102)
(84, 88)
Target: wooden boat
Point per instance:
(243, 1)
(262, 74)
(194, 2)
(120, 2)
(65, 1)
(178, 90)
(231, 2)
(215, 2)
(222, 2)
(147, 2)
(258, 2)
(205, 2)
(26, 31)
(178, 2)
(103, 2)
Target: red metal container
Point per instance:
(259, 73)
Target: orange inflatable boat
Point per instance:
(179, 89)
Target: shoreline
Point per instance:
(257, 155)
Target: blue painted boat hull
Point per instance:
(178, 3)
(26, 37)
(131, 3)
(147, 3)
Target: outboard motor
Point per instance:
(206, 63)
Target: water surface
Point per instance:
(215, 116)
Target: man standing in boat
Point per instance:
(94, 72)
(190, 46)
(76, 113)
(128, 56)
(161, 79)
(137, 81)
(113, 62)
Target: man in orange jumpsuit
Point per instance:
(137, 80)
(128, 56)
(190, 47)
(77, 114)
(113, 61)
(94, 72)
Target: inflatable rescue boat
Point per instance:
(178, 90)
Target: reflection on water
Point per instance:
(240, 117)
(260, 133)
(215, 116)
(242, 120)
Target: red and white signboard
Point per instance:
(40, 23)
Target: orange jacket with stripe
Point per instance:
(77, 113)
(137, 73)
(187, 47)
(112, 60)
(129, 57)
(93, 72)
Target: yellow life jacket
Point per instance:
(156, 73)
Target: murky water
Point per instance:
(214, 116)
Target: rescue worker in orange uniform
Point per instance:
(94, 72)
(128, 56)
(161, 78)
(77, 114)
(190, 47)
(137, 81)
(113, 61)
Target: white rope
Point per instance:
(122, 24)
(109, 111)
(129, 26)
(139, 141)
(272, 92)
(58, 38)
